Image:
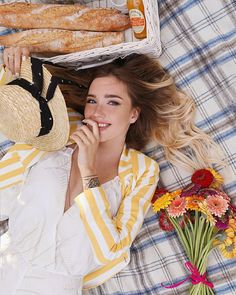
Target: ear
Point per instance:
(134, 115)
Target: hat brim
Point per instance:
(26, 124)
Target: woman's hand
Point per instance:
(12, 57)
(87, 140)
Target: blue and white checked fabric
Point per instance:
(199, 47)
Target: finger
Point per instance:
(26, 52)
(79, 134)
(77, 140)
(21, 53)
(5, 57)
(8, 52)
(94, 127)
(17, 61)
(91, 137)
(11, 63)
(83, 137)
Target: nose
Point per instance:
(98, 111)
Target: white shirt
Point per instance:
(45, 242)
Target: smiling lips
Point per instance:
(103, 126)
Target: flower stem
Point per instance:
(181, 236)
(196, 239)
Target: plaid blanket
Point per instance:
(198, 41)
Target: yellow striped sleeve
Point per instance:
(103, 273)
(14, 164)
(5, 75)
(22, 156)
(112, 237)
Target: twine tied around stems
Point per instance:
(195, 277)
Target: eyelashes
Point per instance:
(114, 102)
(111, 102)
(89, 100)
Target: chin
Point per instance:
(105, 138)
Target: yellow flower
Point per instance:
(216, 242)
(228, 251)
(204, 210)
(232, 224)
(165, 200)
(218, 179)
(230, 232)
(228, 241)
(162, 202)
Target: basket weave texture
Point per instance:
(89, 58)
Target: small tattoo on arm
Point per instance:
(90, 181)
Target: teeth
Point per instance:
(103, 125)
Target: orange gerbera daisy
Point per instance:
(192, 202)
(176, 193)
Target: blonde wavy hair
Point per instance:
(167, 114)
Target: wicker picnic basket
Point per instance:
(89, 58)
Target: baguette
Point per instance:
(61, 41)
(68, 17)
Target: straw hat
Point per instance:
(30, 119)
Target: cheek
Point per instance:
(127, 116)
(122, 117)
(87, 111)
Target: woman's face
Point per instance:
(109, 104)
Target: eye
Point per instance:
(113, 102)
(90, 100)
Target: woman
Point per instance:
(99, 189)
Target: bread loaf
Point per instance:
(68, 17)
(61, 41)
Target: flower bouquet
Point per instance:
(203, 217)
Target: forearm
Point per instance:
(112, 236)
(89, 177)
(90, 181)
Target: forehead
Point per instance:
(108, 84)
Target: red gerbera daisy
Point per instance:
(203, 177)
(165, 222)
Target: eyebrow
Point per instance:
(107, 96)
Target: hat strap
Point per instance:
(37, 73)
(45, 113)
(35, 88)
(57, 80)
